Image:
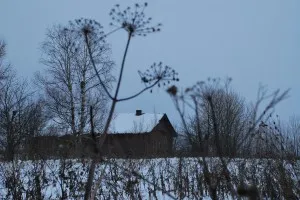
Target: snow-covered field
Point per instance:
(143, 179)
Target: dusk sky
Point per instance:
(250, 41)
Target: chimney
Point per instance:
(138, 112)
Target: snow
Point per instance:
(131, 123)
(165, 173)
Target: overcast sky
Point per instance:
(251, 41)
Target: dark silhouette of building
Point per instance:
(132, 135)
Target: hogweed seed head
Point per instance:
(133, 20)
(164, 75)
(87, 27)
(172, 90)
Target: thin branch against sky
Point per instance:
(252, 42)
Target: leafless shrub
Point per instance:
(219, 115)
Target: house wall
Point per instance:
(157, 143)
(48, 147)
(138, 145)
(143, 145)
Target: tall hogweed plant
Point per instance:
(135, 23)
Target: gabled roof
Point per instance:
(132, 123)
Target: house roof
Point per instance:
(132, 123)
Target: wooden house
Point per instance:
(131, 135)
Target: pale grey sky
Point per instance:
(251, 41)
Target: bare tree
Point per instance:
(20, 115)
(3, 67)
(222, 112)
(69, 82)
(293, 135)
(232, 115)
(2, 49)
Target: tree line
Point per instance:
(220, 113)
(57, 100)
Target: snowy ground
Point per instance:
(160, 178)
